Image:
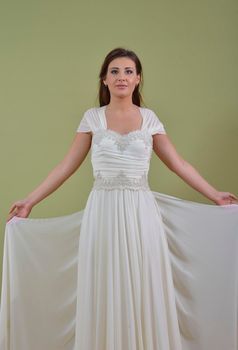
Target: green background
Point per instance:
(51, 54)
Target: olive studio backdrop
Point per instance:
(51, 53)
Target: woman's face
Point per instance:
(121, 77)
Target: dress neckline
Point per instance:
(118, 133)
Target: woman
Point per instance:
(120, 79)
(125, 291)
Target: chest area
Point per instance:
(133, 142)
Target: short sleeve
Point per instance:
(156, 126)
(84, 123)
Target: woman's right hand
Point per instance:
(21, 208)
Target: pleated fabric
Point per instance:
(125, 290)
(43, 274)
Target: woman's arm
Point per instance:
(70, 163)
(166, 151)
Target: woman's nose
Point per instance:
(121, 78)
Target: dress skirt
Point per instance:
(134, 270)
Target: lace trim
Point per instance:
(122, 141)
(121, 181)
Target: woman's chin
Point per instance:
(122, 94)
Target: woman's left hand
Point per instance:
(224, 198)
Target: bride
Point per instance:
(135, 268)
(120, 79)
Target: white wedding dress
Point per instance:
(134, 270)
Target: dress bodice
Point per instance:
(120, 160)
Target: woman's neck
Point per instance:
(120, 104)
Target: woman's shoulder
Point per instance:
(149, 113)
(152, 121)
(91, 110)
(89, 120)
(92, 116)
(92, 113)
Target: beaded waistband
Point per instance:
(121, 181)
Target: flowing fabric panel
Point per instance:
(203, 244)
(39, 286)
(38, 299)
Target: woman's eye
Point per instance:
(129, 71)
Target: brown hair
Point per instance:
(104, 93)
